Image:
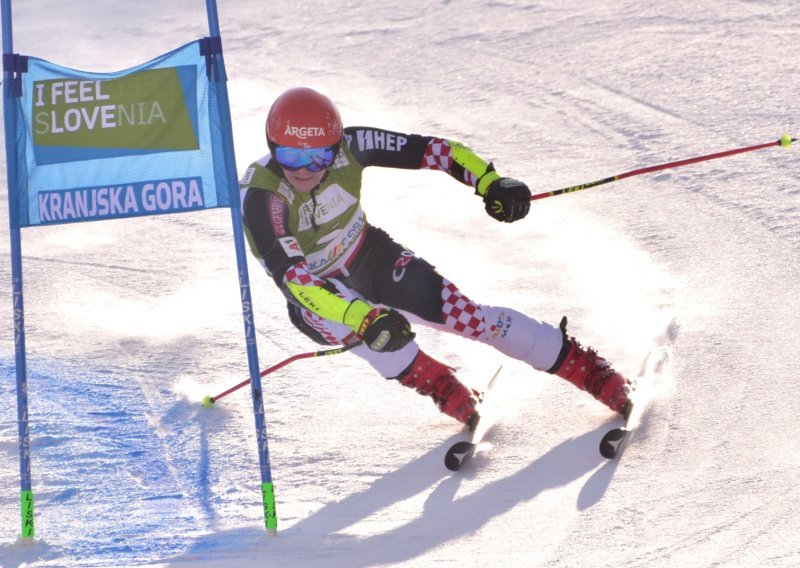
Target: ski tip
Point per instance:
(458, 454)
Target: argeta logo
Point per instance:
(304, 132)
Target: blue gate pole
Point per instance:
(10, 76)
(267, 489)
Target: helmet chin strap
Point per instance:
(313, 193)
(314, 200)
(314, 205)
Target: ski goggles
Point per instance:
(313, 159)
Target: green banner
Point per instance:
(143, 111)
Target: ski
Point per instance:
(616, 440)
(460, 452)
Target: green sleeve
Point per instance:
(473, 163)
(328, 305)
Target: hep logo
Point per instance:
(400, 264)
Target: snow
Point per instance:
(130, 323)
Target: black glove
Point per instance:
(507, 200)
(385, 330)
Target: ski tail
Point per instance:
(461, 452)
(458, 454)
(614, 442)
(645, 388)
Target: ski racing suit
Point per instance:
(322, 253)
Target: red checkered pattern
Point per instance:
(300, 274)
(321, 325)
(461, 313)
(438, 156)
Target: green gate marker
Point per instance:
(26, 506)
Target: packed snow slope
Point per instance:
(130, 323)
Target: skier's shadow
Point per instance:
(446, 517)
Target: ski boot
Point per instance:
(431, 378)
(589, 372)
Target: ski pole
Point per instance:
(784, 141)
(209, 401)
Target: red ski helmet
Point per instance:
(303, 118)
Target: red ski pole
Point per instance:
(209, 401)
(784, 141)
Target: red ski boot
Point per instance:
(588, 371)
(432, 378)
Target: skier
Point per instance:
(347, 281)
